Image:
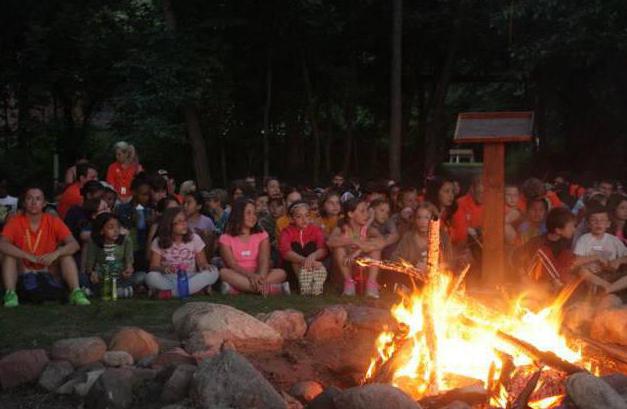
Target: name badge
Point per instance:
(246, 253)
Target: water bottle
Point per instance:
(109, 286)
(182, 283)
(114, 288)
(141, 217)
(106, 284)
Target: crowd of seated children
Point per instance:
(297, 238)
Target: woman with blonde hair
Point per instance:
(120, 173)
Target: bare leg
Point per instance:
(340, 256)
(9, 272)
(236, 280)
(69, 271)
(373, 271)
(276, 276)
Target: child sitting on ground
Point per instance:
(109, 252)
(549, 260)
(414, 244)
(351, 238)
(534, 224)
(245, 251)
(330, 209)
(513, 214)
(216, 207)
(198, 222)
(178, 248)
(135, 218)
(381, 220)
(302, 245)
(608, 249)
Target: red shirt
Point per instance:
(468, 214)
(121, 178)
(46, 239)
(292, 235)
(70, 197)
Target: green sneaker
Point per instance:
(78, 297)
(10, 299)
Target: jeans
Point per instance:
(168, 282)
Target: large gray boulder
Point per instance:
(79, 351)
(589, 392)
(229, 380)
(223, 322)
(374, 396)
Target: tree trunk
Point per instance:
(192, 120)
(328, 143)
(199, 151)
(395, 91)
(312, 113)
(348, 117)
(223, 164)
(437, 125)
(266, 117)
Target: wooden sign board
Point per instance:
(494, 127)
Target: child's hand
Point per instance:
(615, 264)
(94, 278)
(308, 262)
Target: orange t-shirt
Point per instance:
(468, 214)
(121, 178)
(46, 239)
(70, 197)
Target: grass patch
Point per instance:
(36, 326)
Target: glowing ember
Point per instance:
(546, 403)
(449, 340)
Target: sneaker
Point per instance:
(10, 299)
(349, 288)
(78, 297)
(286, 288)
(226, 289)
(305, 281)
(319, 277)
(372, 289)
(164, 295)
(125, 292)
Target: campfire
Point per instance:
(446, 342)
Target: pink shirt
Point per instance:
(245, 253)
(182, 255)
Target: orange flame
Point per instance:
(439, 348)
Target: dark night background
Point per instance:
(301, 88)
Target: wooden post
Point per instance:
(493, 130)
(493, 259)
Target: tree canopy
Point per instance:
(299, 89)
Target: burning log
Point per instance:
(402, 266)
(433, 258)
(614, 352)
(385, 373)
(472, 395)
(522, 400)
(546, 357)
(497, 386)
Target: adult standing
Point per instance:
(120, 173)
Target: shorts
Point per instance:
(41, 286)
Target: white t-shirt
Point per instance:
(608, 247)
(10, 202)
(180, 256)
